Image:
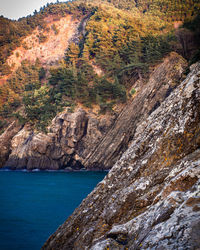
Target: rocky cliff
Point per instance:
(148, 97)
(151, 197)
(84, 139)
(5, 141)
(69, 134)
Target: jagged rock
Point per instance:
(5, 141)
(150, 199)
(148, 97)
(60, 148)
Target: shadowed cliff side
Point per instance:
(151, 197)
(58, 148)
(5, 141)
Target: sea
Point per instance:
(34, 204)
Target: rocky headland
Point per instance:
(150, 199)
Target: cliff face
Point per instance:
(5, 141)
(59, 148)
(151, 197)
(148, 97)
(83, 139)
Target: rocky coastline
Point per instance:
(150, 199)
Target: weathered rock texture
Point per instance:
(148, 97)
(59, 148)
(5, 141)
(82, 139)
(151, 197)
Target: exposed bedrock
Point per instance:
(150, 199)
(59, 148)
(5, 141)
(83, 139)
(148, 97)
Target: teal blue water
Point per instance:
(34, 204)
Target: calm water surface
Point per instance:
(34, 204)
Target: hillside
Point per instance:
(83, 139)
(90, 55)
(109, 85)
(48, 46)
(102, 45)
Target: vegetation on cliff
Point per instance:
(122, 39)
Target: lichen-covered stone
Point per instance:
(150, 199)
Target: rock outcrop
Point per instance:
(5, 141)
(150, 199)
(59, 148)
(82, 139)
(148, 97)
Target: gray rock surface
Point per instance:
(150, 199)
(59, 148)
(5, 141)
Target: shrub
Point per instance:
(54, 28)
(132, 91)
(42, 38)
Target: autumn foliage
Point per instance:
(124, 39)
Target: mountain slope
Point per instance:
(99, 85)
(83, 139)
(49, 50)
(88, 55)
(118, 42)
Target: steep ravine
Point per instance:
(84, 139)
(151, 197)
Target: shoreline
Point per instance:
(49, 170)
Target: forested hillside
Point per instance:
(171, 10)
(116, 43)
